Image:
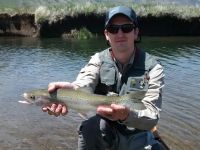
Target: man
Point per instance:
(118, 69)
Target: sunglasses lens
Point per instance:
(113, 28)
(126, 28)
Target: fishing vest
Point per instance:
(135, 78)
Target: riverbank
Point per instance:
(64, 21)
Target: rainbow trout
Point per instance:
(84, 101)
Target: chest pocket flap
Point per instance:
(107, 74)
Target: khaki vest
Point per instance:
(135, 76)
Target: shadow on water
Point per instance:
(28, 63)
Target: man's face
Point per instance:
(120, 41)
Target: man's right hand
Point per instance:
(57, 109)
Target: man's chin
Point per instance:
(122, 49)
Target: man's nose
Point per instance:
(120, 32)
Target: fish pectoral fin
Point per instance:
(83, 115)
(42, 101)
(86, 115)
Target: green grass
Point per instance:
(82, 33)
(55, 11)
(180, 11)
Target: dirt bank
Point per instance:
(18, 25)
(24, 25)
(169, 25)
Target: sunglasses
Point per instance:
(126, 28)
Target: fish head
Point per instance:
(30, 98)
(36, 98)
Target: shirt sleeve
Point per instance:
(146, 119)
(89, 75)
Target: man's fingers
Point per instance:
(64, 110)
(53, 107)
(122, 111)
(58, 108)
(105, 111)
(44, 109)
(117, 107)
(52, 87)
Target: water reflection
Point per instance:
(27, 63)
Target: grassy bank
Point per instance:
(57, 10)
(85, 19)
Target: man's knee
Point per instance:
(89, 127)
(108, 133)
(158, 146)
(96, 132)
(89, 134)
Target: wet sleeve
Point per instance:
(89, 75)
(146, 119)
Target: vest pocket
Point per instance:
(107, 75)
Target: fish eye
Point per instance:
(32, 97)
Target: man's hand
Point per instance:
(58, 108)
(55, 109)
(53, 86)
(114, 112)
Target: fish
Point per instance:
(82, 100)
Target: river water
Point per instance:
(29, 63)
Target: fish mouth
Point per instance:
(25, 95)
(24, 102)
(26, 99)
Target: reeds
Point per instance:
(82, 33)
(55, 11)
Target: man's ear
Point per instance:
(136, 34)
(106, 34)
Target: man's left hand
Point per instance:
(114, 112)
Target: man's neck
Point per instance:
(122, 57)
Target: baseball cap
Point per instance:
(126, 11)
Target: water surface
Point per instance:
(28, 63)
